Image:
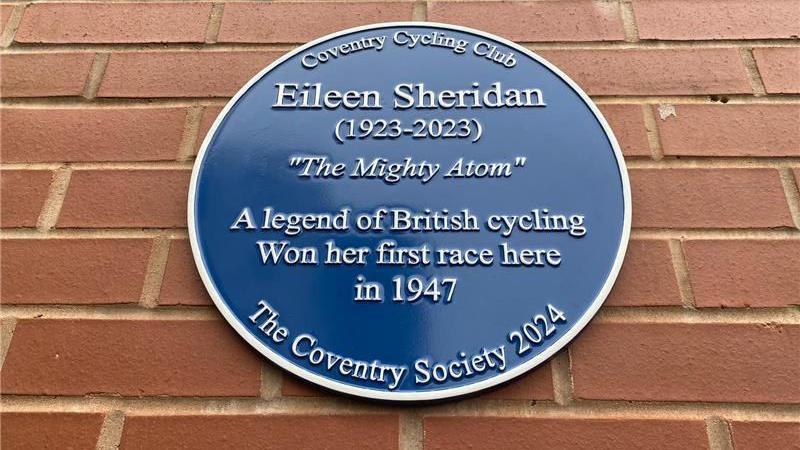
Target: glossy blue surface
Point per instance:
(571, 168)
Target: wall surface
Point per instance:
(108, 338)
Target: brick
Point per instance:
(710, 19)
(569, 20)
(708, 198)
(647, 277)
(91, 134)
(293, 386)
(761, 435)
(5, 14)
(66, 23)
(744, 273)
(513, 433)
(779, 69)
(73, 271)
(535, 385)
(44, 74)
(27, 430)
(129, 358)
(731, 130)
(182, 74)
(711, 362)
(126, 198)
(303, 21)
(182, 284)
(627, 123)
(262, 431)
(22, 196)
(210, 114)
(654, 71)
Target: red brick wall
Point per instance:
(109, 339)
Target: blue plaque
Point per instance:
(409, 211)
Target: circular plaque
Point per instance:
(409, 211)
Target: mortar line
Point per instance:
(789, 315)
(359, 1)
(109, 103)
(250, 1)
(775, 412)
(420, 11)
(102, 165)
(191, 130)
(152, 47)
(12, 24)
(749, 61)
(713, 163)
(88, 233)
(561, 371)
(18, 47)
(632, 162)
(108, 312)
(271, 380)
(111, 431)
(790, 187)
(410, 436)
(214, 22)
(681, 268)
(719, 434)
(653, 135)
(95, 77)
(182, 233)
(716, 234)
(154, 102)
(7, 326)
(697, 99)
(209, 1)
(54, 201)
(315, 1)
(154, 276)
(628, 21)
